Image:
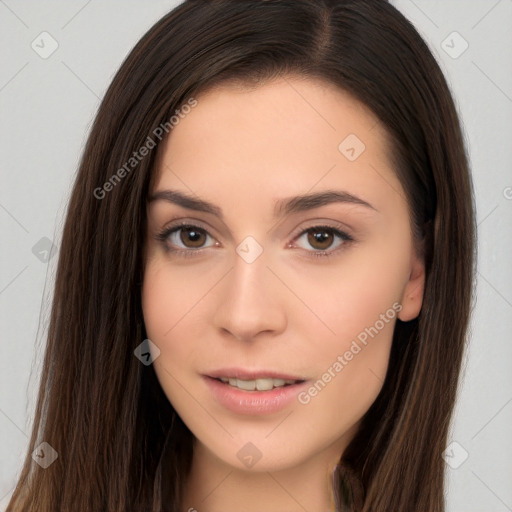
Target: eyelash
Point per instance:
(163, 236)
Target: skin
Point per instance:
(242, 149)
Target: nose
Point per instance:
(251, 301)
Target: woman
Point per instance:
(266, 272)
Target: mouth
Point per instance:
(259, 384)
(253, 392)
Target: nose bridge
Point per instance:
(249, 301)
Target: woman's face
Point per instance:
(263, 289)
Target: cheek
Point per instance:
(167, 304)
(157, 302)
(337, 401)
(349, 367)
(162, 310)
(171, 296)
(173, 303)
(360, 293)
(350, 340)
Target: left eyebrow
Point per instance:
(282, 207)
(306, 202)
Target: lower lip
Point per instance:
(253, 402)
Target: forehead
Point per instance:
(281, 138)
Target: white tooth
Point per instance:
(246, 385)
(264, 384)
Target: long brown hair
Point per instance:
(104, 412)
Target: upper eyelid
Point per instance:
(186, 221)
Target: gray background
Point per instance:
(47, 106)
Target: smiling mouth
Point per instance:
(263, 384)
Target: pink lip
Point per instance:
(253, 402)
(240, 373)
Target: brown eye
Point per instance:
(185, 239)
(323, 241)
(192, 237)
(320, 238)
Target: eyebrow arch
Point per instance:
(282, 207)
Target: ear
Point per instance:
(412, 297)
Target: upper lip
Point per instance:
(243, 374)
